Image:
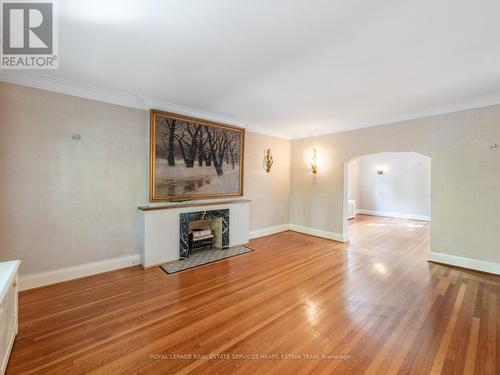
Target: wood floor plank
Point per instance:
(297, 304)
(470, 359)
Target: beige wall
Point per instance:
(465, 177)
(66, 202)
(269, 192)
(404, 188)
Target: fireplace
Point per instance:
(203, 229)
(205, 232)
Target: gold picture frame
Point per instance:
(217, 149)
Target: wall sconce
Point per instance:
(494, 147)
(268, 160)
(380, 171)
(314, 161)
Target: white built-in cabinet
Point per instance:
(8, 310)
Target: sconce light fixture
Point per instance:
(314, 161)
(494, 147)
(268, 160)
(380, 171)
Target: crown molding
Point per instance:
(484, 101)
(66, 87)
(83, 90)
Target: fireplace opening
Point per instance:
(203, 229)
(205, 233)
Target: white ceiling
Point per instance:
(287, 67)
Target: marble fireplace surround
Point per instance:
(161, 225)
(186, 217)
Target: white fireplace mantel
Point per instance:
(160, 227)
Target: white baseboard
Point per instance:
(470, 263)
(268, 231)
(319, 233)
(64, 274)
(393, 214)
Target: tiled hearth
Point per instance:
(204, 256)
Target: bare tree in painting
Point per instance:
(188, 143)
(165, 148)
(203, 155)
(168, 140)
(233, 143)
(218, 145)
(171, 124)
(207, 156)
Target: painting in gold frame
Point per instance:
(192, 158)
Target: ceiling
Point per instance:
(287, 67)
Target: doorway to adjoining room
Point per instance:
(392, 185)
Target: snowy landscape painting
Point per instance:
(194, 159)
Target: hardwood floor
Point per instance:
(311, 305)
